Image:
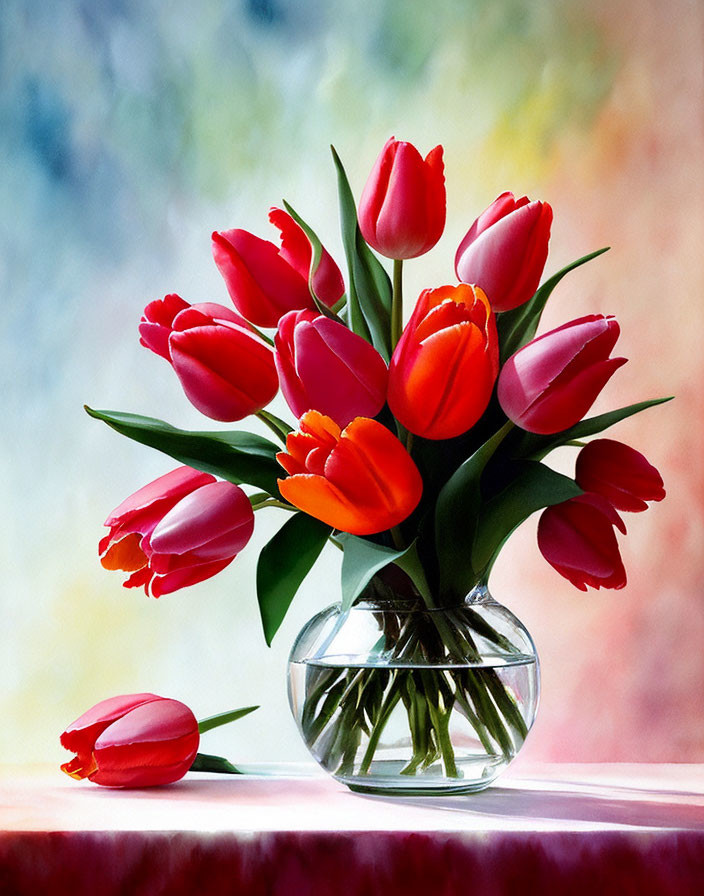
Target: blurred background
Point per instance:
(131, 129)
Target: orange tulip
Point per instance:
(445, 364)
(360, 479)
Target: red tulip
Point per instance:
(402, 209)
(226, 371)
(359, 480)
(505, 250)
(139, 740)
(157, 323)
(180, 529)
(618, 473)
(323, 366)
(578, 540)
(550, 384)
(265, 281)
(297, 251)
(444, 367)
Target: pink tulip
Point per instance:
(138, 740)
(180, 529)
(505, 250)
(265, 281)
(323, 366)
(402, 209)
(577, 539)
(226, 370)
(618, 473)
(550, 384)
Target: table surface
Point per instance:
(293, 831)
(298, 797)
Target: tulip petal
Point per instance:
(226, 373)
(620, 474)
(319, 498)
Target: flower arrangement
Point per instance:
(415, 450)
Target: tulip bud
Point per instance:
(323, 366)
(138, 740)
(505, 250)
(226, 371)
(360, 480)
(402, 209)
(444, 367)
(265, 281)
(618, 473)
(179, 530)
(550, 384)
(577, 539)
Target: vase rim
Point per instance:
(477, 595)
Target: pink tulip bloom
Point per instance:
(505, 250)
(550, 384)
(226, 370)
(402, 209)
(577, 539)
(180, 529)
(138, 740)
(323, 366)
(618, 473)
(265, 281)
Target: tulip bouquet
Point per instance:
(415, 450)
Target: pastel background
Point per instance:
(130, 129)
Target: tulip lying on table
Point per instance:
(141, 740)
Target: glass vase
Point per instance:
(393, 697)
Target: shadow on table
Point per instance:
(597, 804)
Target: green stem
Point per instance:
(261, 335)
(272, 502)
(397, 304)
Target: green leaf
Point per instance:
(235, 456)
(223, 718)
(283, 564)
(539, 446)
(518, 326)
(204, 762)
(276, 424)
(362, 559)
(534, 487)
(369, 302)
(316, 255)
(456, 514)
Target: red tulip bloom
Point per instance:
(359, 480)
(157, 323)
(225, 369)
(139, 740)
(180, 529)
(265, 281)
(402, 209)
(505, 250)
(577, 539)
(618, 473)
(323, 366)
(296, 249)
(550, 384)
(444, 367)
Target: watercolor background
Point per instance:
(130, 129)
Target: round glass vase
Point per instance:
(392, 697)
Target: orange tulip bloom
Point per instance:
(360, 479)
(446, 362)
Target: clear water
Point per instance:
(449, 728)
